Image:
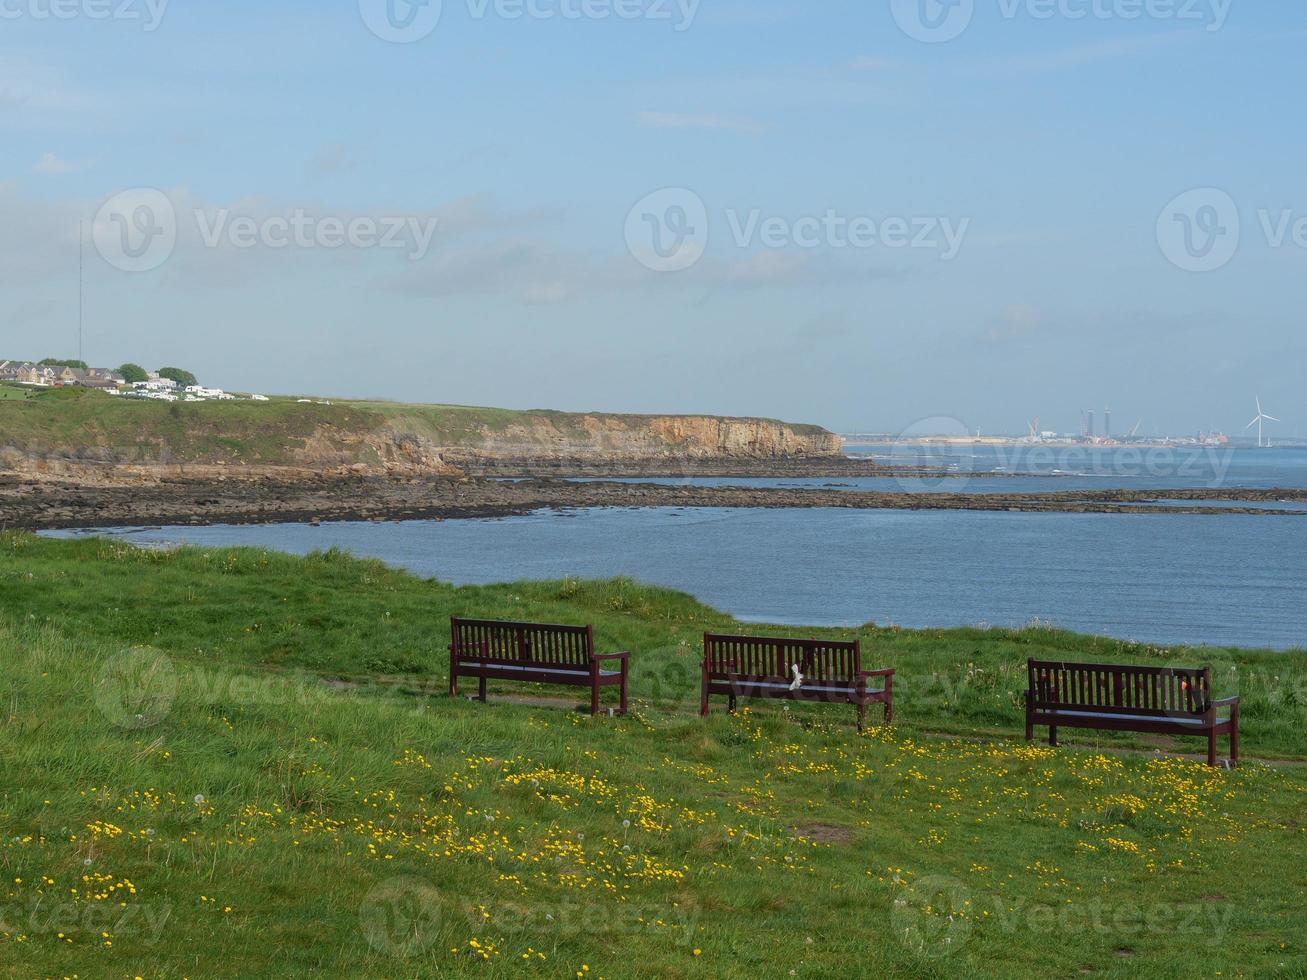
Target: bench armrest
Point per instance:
(624, 655)
(866, 675)
(1226, 703)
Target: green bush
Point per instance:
(180, 375)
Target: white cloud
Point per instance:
(537, 272)
(528, 271)
(751, 14)
(331, 159)
(52, 164)
(38, 239)
(1092, 53)
(1016, 322)
(38, 96)
(779, 90)
(676, 120)
(871, 63)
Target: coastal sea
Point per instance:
(1045, 469)
(1228, 580)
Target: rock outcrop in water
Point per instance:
(25, 504)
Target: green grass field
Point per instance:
(238, 763)
(14, 392)
(91, 425)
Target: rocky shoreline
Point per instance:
(49, 505)
(798, 467)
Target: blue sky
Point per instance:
(1051, 145)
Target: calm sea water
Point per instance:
(1221, 580)
(1036, 469)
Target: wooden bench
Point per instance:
(1115, 697)
(763, 667)
(534, 653)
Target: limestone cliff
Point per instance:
(646, 437)
(100, 436)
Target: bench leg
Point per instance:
(862, 715)
(453, 681)
(889, 712)
(621, 710)
(594, 699)
(481, 690)
(1052, 735)
(703, 701)
(1030, 728)
(1234, 744)
(1211, 749)
(731, 707)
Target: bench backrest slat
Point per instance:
(769, 657)
(1121, 688)
(540, 643)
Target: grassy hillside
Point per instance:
(14, 392)
(335, 616)
(78, 424)
(93, 426)
(181, 794)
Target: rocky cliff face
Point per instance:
(108, 442)
(622, 437)
(403, 448)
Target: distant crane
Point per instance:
(1135, 431)
(1260, 421)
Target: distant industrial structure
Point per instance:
(1087, 432)
(1089, 435)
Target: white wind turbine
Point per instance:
(1262, 418)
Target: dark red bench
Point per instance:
(534, 653)
(763, 667)
(1115, 697)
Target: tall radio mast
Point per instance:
(81, 293)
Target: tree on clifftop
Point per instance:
(56, 362)
(133, 373)
(183, 378)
